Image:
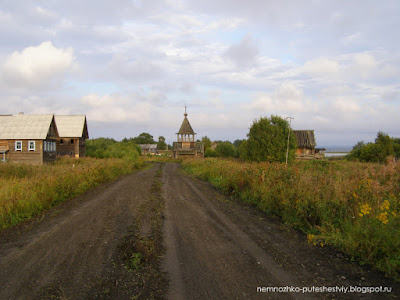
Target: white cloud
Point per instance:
(37, 66)
(322, 67)
(286, 99)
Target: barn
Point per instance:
(28, 139)
(306, 145)
(73, 133)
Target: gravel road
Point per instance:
(208, 246)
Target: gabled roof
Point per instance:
(25, 127)
(305, 138)
(148, 146)
(185, 127)
(72, 126)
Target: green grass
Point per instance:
(352, 206)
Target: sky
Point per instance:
(131, 66)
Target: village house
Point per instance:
(28, 138)
(185, 146)
(148, 149)
(306, 145)
(73, 133)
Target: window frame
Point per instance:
(31, 143)
(16, 148)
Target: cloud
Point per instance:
(286, 99)
(36, 67)
(243, 54)
(321, 67)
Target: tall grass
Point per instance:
(352, 206)
(26, 191)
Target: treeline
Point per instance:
(127, 148)
(379, 151)
(110, 148)
(267, 141)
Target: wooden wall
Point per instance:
(75, 149)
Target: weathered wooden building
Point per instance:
(28, 138)
(73, 133)
(148, 149)
(186, 145)
(306, 145)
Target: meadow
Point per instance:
(27, 190)
(352, 206)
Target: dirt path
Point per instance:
(218, 248)
(84, 248)
(109, 244)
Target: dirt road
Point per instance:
(159, 234)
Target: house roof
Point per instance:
(186, 128)
(305, 138)
(148, 146)
(25, 127)
(72, 126)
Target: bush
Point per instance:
(225, 149)
(210, 153)
(383, 147)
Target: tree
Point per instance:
(267, 141)
(161, 145)
(225, 149)
(144, 138)
(383, 147)
(207, 142)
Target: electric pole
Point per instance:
(287, 149)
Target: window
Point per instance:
(31, 146)
(18, 146)
(61, 141)
(72, 141)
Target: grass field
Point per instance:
(354, 207)
(26, 191)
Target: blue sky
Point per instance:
(131, 66)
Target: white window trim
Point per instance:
(29, 146)
(16, 148)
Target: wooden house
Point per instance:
(185, 146)
(306, 145)
(28, 138)
(148, 149)
(73, 133)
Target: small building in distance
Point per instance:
(148, 149)
(185, 146)
(28, 139)
(73, 133)
(306, 145)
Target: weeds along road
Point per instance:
(158, 234)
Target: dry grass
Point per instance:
(352, 206)
(26, 191)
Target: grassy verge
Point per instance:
(26, 191)
(352, 206)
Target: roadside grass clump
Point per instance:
(26, 190)
(352, 206)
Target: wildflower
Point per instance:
(385, 205)
(383, 217)
(311, 238)
(365, 210)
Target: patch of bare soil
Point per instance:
(105, 244)
(219, 248)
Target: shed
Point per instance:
(73, 133)
(28, 138)
(148, 148)
(305, 144)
